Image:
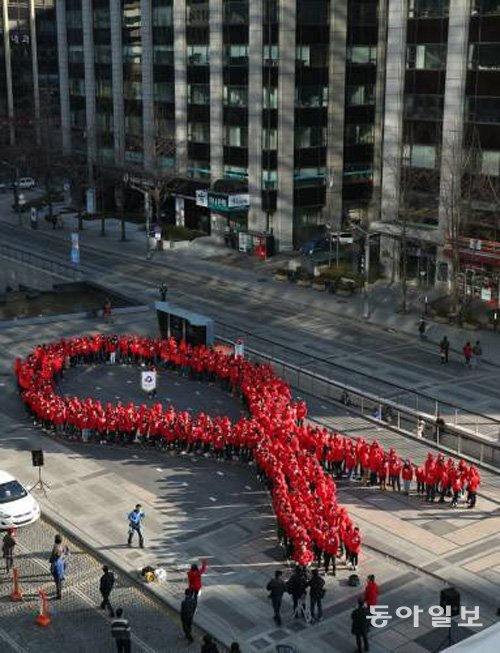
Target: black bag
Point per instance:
(353, 580)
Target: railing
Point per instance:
(450, 435)
(38, 262)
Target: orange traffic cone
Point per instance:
(15, 595)
(42, 618)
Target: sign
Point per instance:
(148, 381)
(202, 198)
(486, 294)
(91, 201)
(75, 248)
(239, 349)
(224, 202)
(179, 212)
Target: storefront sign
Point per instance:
(222, 201)
(202, 198)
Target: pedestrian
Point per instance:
(58, 570)
(472, 488)
(234, 648)
(296, 586)
(444, 349)
(420, 428)
(134, 525)
(209, 646)
(59, 548)
(194, 578)
(8, 544)
(276, 588)
(188, 608)
(163, 291)
(105, 586)
(121, 632)
(407, 475)
(467, 353)
(361, 626)
(371, 591)
(316, 593)
(422, 326)
(477, 353)
(354, 547)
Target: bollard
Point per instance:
(42, 618)
(15, 595)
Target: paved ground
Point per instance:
(197, 507)
(326, 333)
(78, 624)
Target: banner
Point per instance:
(148, 381)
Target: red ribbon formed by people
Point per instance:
(289, 453)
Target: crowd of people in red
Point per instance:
(296, 458)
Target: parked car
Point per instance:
(322, 243)
(17, 506)
(25, 182)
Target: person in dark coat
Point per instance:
(316, 592)
(296, 586)
(209, 646)
(276, 588)
(188, 608)
(105, 586)
(360, 626)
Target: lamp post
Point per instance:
(367, 235)
(329, 230)
(147, 208)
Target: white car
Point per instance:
(17, 506)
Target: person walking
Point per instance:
(354, 547)
(407, 475)
(209, 646)
(8, 545)
(121, 632)
(276, 588)
(194, 578)
(371, 593)
(420, 428)
(296, 586)
(422, 326)
(467, 353)
(58, 570)
(360, 626)
(163, 291)
(188, 608)
(477, 352)
(135, 518)
(59, 548)
(316, 593)
(105, 586)
(444, 349)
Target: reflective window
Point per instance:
(426, 57)
(424, 107)
(490, 162)
(486, 7)
(102, 53)
(198, 94)
(76, 86)
(359, 134)
(484, 56)
(311, 96)
(197, 12)
(163, 91)
(236, 55)
(236, 96)
(269, 179)
(360, 94)
(199, 132)
(198, 55)
(484, 109)
(235, 136)
(270, 54)
(235, 12)
(419, 156)
(270, 139)
(362, 54)
(315, 56)
(310, 137)
(362, 13)
(428, 8)
(270, 97)
(162, 16)
(163, 54)
(235, 172)
(312, 12)
(75, 53)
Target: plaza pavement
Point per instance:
(197, 507)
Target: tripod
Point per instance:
(40, 484)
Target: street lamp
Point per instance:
(147, 208)
(367, 235)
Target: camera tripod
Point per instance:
(40, 484)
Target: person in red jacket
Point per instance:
(472, 489)
(194, 578)
(407, 476)
(456, 486)
(354, 547)
(371, 592)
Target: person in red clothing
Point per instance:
(472, 487)
(194, 578)
(354, 547)
(456, 486)
(467, 353)
(407, 475)
(371, 592)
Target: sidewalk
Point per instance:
(414, 549)
(211, 259)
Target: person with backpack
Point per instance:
(316, 593)
(296, 586)
(58, 571)
(135, 518)
(121, 632)
(8, 545)
(105, 586)
(276, 588)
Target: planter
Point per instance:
(320, 287)
(176, 244)
(303, 283)
(280, 276)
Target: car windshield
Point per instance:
(11, 491)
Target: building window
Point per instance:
(235, 172)
(484, 56)
(199, 169)
(236, 96)
(360, 94)
(102, 19)
(77, 86)
(315, 56)
(236, 55)
(270, 97)
(198, 55)
(133, 125)
(235, 136)
(312, 12)
(163, 54)
(484, 109)
(362, 13)
(270, 55)
(486, 7)
(358, 173)
(359, 134)
(426, 57)
(132, 90)
(132, 54)
(269, 179)
(75, 53)
(428, 8)
(198, 94)
(102, 53)
(362, 54)
(490, 163)
(305, 176)
(310, 137)
(270, 138)
(197, 13)
(162, 16)
(311, 96)
(423, 107)
(199, 132)
(164, 91)
(235, 12)
(74, 19)
(419, 156)
(103, 88)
